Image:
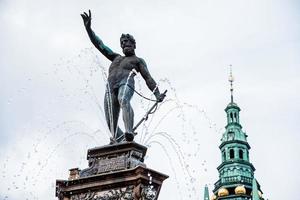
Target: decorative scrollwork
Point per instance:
(149, 193)
(83, 196)
(114, 194)
(91, 170)
(117, 194)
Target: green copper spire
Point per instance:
(255, 195)
(235, 171)
(206, 193)
(233, 127)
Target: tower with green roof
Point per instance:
(206, 193)
(236, 172)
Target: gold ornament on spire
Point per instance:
(240, 189)
(223, 192)
(213, 197)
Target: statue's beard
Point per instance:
(128, 51)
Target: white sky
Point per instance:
(52, 88)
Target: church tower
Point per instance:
(236, 172)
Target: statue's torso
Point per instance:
(121, 71)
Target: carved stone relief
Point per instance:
(113, 194)
(113, 162)
(149, 193)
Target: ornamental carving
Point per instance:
(114, 162)
(83, 196)
(114, 194)
(149, 193)
(91, 170)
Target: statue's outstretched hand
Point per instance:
(161, 97)
(87, 18)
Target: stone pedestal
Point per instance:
(115, 172)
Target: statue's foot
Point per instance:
(129, 137)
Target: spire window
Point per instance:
(231, 153)
(231, 117)
(241, 154)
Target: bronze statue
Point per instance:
(120, 83)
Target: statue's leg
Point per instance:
(112, 110)
(124, 96)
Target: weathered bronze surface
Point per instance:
(120, 83)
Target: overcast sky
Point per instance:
(53, 86)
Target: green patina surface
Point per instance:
(206, 193)
(235, 165)
(235, 168)
(255, 195)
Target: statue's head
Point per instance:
(127, 43)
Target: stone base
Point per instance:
(116, 172)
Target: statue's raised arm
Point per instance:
(106, 51)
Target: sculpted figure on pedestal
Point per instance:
(120, 83)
